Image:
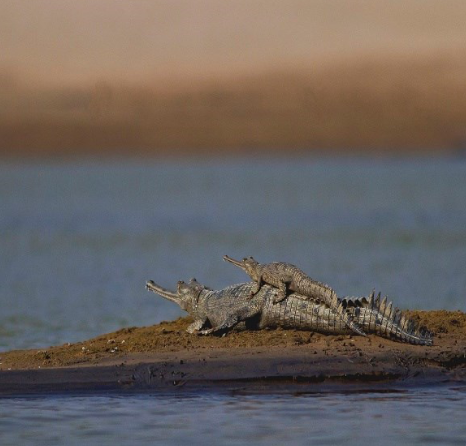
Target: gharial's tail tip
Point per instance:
(358, 330)
(427, 337)
(355, 327)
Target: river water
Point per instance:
(78, 240)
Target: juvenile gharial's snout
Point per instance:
(149, 285)
(238, 263)
(249, 265)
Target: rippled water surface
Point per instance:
(413, 417)
(78, 240)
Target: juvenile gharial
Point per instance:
(220, 311)
(287, 277)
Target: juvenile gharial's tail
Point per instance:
(378, 316)
(306, 286)
(338, 307)
(332, 300)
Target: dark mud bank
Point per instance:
(164, 358)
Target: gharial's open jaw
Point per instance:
(152, 286)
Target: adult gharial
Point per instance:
(237, 307)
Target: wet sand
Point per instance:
(166, 358)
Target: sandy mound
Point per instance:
(449, 329)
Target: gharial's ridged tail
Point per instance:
(390, 322)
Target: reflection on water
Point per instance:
(419, 416)
(78, 240)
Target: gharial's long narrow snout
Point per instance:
(152, 286)
(235, 262)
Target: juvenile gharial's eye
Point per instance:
(244, 259)
(180, 282)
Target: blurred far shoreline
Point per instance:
(256, 78)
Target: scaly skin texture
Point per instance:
(287, 277)
(219, 311)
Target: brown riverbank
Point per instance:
(189, 78)
(370, 104)
(165, 356)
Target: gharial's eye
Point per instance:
(180, 282)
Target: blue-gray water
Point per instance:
(78, 240)
(413, 418)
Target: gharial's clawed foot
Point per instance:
(255, 289)
(205, 332)
(279, 298)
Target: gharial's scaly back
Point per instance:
(287, 277)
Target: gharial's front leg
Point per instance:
(281, 294)
(195, 326)
(229, 322)
(256, 288)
